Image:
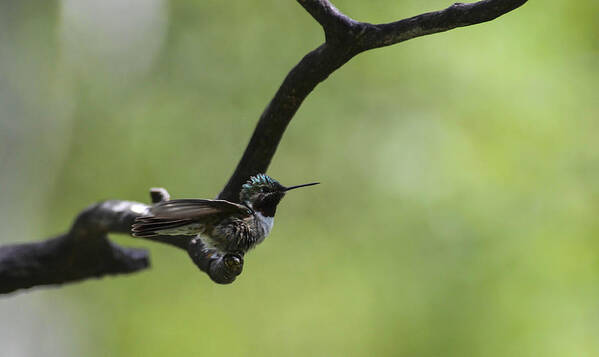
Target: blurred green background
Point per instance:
(457, 214)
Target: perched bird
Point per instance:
(223, 227)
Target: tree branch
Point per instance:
(457, 15)
(85, 250)
(345, 38)
(335, 24)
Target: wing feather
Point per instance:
(149, 226)
(197, 209)
(172, 215)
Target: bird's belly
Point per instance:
(210, 243)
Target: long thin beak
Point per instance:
(298, 186)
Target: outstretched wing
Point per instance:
(185, 217)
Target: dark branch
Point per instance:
(85, 250)
(336, 25)
(345, 38)
(159, 194)
(323, 11)
(312, 69)
(457, 15)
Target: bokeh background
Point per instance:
(458, 211)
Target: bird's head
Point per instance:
(263, 193)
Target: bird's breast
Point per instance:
(264, 224)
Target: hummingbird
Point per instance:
(222, 229)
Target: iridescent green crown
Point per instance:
(258, 183)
